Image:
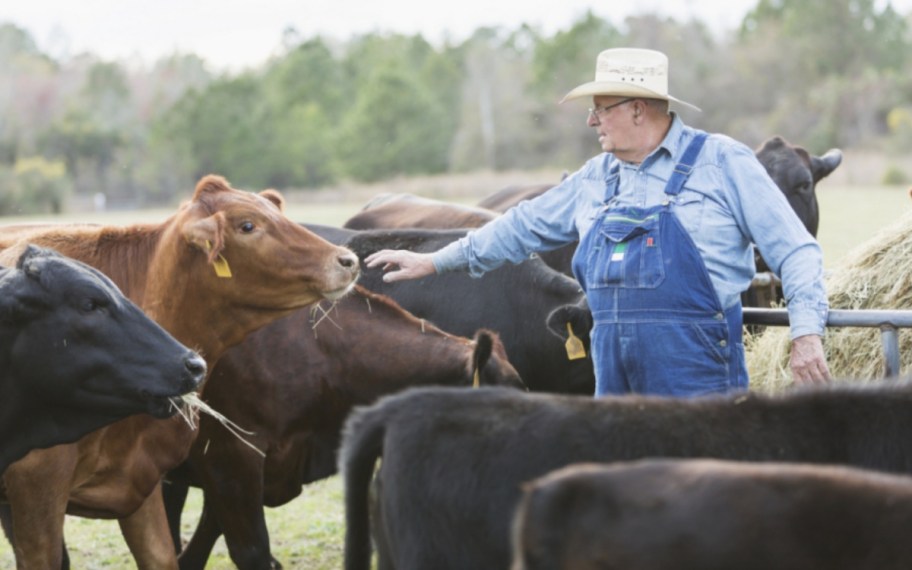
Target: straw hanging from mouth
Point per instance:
(189, 403)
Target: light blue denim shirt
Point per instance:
(728, 202)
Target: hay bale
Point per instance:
(876, 274)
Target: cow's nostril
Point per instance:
(348, 261)
(195, 365)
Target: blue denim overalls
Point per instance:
(658, 325)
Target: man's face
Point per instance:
(610, 117)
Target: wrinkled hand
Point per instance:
(411, 265)
(807, 361)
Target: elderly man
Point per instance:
(665, 217)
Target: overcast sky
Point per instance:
(234, 33)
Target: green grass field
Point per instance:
(307, 533)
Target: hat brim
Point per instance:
(619, 89)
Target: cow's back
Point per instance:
(455, 461)
(663, 514)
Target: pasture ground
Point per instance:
(307, 533)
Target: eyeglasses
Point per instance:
(602, 111)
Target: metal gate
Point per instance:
(888, 321)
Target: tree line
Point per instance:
(375, 106)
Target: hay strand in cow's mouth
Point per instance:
(189, 405)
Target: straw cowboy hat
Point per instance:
(629, 72)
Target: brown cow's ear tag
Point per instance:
(575, 348)
(220, 264)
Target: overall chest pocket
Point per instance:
(627, 252)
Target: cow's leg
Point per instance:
(236, 502)
(38, 489)
(147, 534)
(175, 497)
(378, 526)
(6, 521)
(197, 551)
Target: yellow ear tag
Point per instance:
(475, 380)
(575, 348)
(220, 264)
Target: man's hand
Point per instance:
(411, 265)
(807, 361)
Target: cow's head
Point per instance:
(252, 256)
(72, 343)
(797, 173)
(490, 364)
(572, 325)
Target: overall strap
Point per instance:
(683, 168)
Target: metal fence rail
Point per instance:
(888, 321)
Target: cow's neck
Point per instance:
(46, 423)
(13, 443)
(121, 253)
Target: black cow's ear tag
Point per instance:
(220, 264)
(574, 346)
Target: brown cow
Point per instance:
(227, 263)
(293, 384)
(713, 515)
(506, 198)
(411, 211)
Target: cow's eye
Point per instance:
(248, 227)
(89, 305)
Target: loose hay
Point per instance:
(876, 274)
(190, 405)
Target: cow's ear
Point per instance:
(207, 235)
(22, 295)
(575, 320)
(484, 346)
(275, 197)
(822, 166)
(210, 183)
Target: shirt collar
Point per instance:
(671, 144)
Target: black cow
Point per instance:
(667, 514)
(76, 355)
(513, 300)
(453, 462)
(796, 172)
